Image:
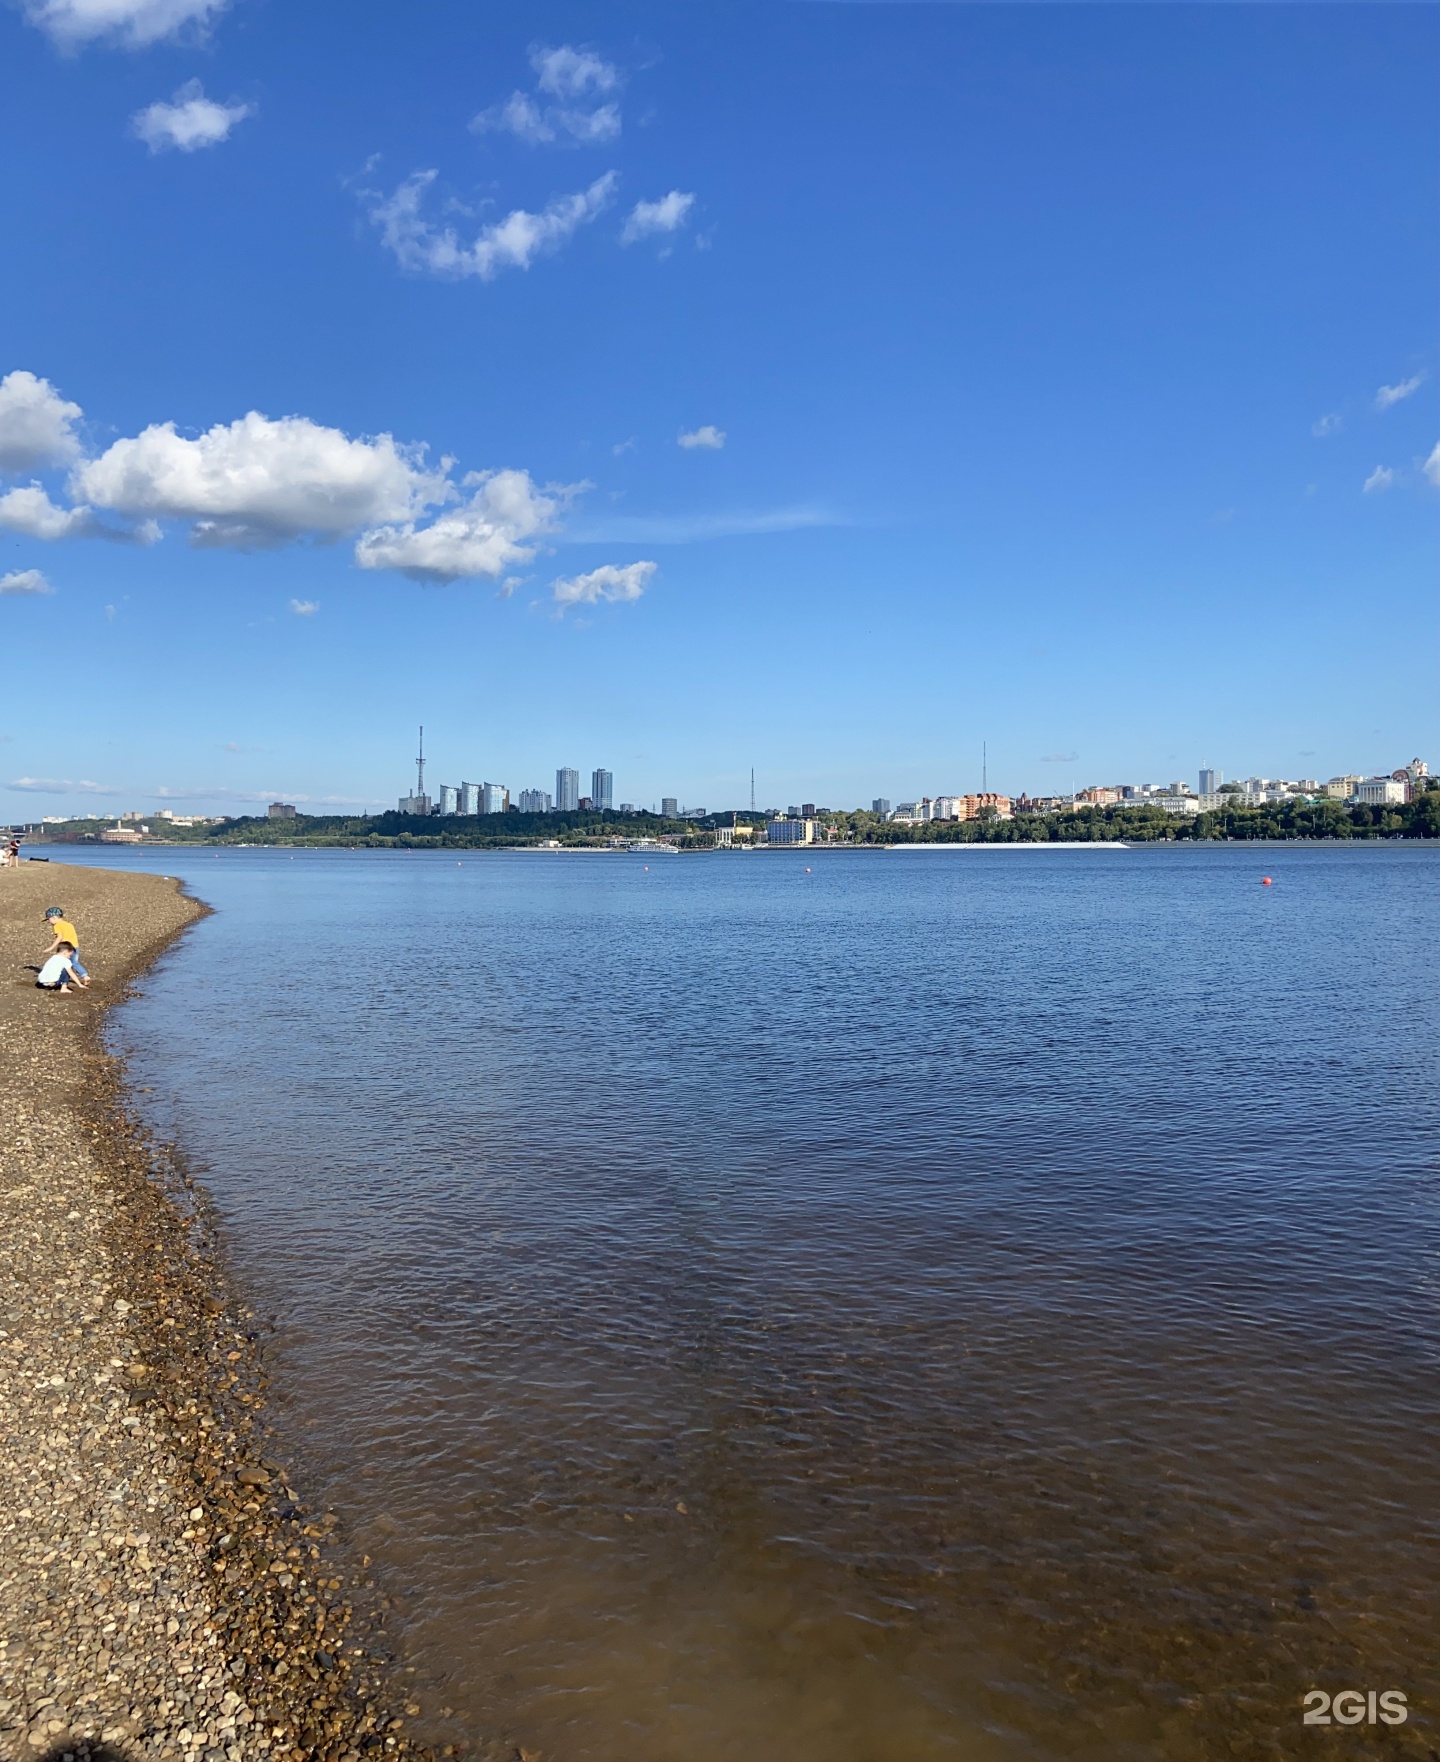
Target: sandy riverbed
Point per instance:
(162, 1593)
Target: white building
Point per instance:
(533, 801)
(449, 799)
(1377, 792)
(1177, 804)
(602, 789)
(469, 798)
(494, 798)
(567, 790)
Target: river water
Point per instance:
(856, 1307)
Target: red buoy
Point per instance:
(1265, 881)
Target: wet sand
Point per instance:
(163, 1594)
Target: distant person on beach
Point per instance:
(58, 971)
(12, 854)
(66, 936)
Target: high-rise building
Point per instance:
(494, 798)
(449, 799)
(807, 810)
(880, 806)
(670, 807)
(1210, 781)
(278, 810)
(567, 790)
(602, 789)
(533, 801)
(469, 798)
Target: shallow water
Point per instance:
(981, 1307)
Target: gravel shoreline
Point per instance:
(163, 1594)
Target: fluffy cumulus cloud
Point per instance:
(188, 122)
(707, 438)
(24, 581)
(512, 243)
(30, 512)
(131, 23)
(1397, 394)
(666, 215)
(494, 529)
(1381, 478)
(565, 74)
(615, 582)
(37, 425)
(259, 482)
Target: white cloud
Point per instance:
(31, 512)
(511, 243)
(709, 437)
(1431, 466)
(1381, 478)
(131, 23)
(611, 581)
(543, 125)
(37, 425)
(304, 608)
(259, 482)
(1324, 426)
(491, 532)
(665, 215)
(24, 581)
(679, 529)
(1397, 394)
(568, 72)
(189, 121)
(61, 786)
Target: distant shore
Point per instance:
(162, 1592)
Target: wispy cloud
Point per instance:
(188, 122)
(707, 437)
(304, 608)
(617, 583)
(1324, 426)
(566, 74)
(1058, 758)
(60, 786)
(512, 243)
(665, 215)
(1397, 394)
(1431, 466)
(691, 528)
(1380, 479)
(24, 581)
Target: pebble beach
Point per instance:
(164, 1592)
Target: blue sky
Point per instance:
(1062, 378)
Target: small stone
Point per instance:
(252, 1477)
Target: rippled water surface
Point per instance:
(976, 1305)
